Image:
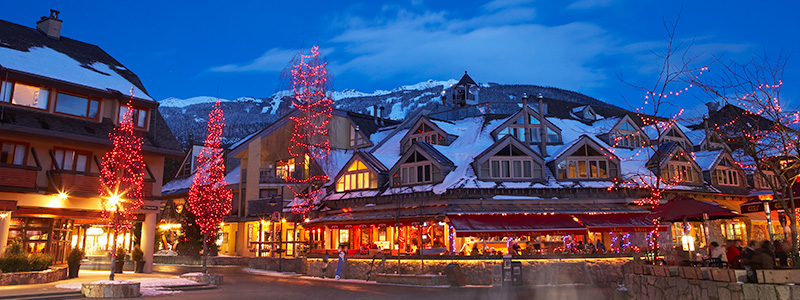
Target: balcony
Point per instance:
(269, 175)
(16, 177)
(74, 182)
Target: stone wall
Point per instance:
(50, 275)
(192, 260)
(646, 287)
(476, 272)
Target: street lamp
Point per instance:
(766, 199)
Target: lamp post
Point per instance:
(766, 199)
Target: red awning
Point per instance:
(373, 223)
(622, 222)
(515, 225)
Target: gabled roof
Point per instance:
(466, 80)
(438, 156)
(707, 160)
(509, 140)
(26, 50)
(586, 139)
(367, 159)
(518, 114)
(665, 153)
(366, 123)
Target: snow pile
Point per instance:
(149, 286)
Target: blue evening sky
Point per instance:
(232, 49)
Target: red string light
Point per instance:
(122, 174)
(209, 199)
(310, 140)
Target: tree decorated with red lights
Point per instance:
(309, 142)
(659, 116)
(766, 133)
(121, 177)
(209, 199)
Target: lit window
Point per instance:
(139, 116)
(71, 160)
(12, 153)
(586, 163)
(357, 177)
(24, 95)
(285, 168)
(76, 105)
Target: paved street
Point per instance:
(239, 284)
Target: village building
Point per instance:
(59, 100)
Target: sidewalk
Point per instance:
(84, 276)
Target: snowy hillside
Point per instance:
(187, 117)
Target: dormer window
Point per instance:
(24, 95)
(587, 163)
(356, 138)
(415, 170)
(681, 169)
(674, 135)
(627, 136)
(77, 105)
(357, 177)
(727, 174)
(512, 163)
(526, 128)
(763, 183)
(139, 116)
(424, 131)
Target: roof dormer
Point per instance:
(361, 172)
(421, 164)
(426, 131)
(509, 160)
(585, 159)
(626, 134)
(584, 113)
(525, 126)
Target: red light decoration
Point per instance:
(209, 199)
(122, 174)
(310, 140)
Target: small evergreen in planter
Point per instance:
(137, 256)
(74, 261)
(120, 261)
(40, 261)
(15, 259)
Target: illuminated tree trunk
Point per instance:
(121, 178)
(209, 199)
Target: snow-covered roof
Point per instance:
(707, 159)
(696, 136)
(182, 184)
(26, 50)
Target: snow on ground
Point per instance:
(149, 286)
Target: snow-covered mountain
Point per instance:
(188, 117)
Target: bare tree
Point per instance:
(767, 131)
(658, 115)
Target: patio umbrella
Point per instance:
(683, 208)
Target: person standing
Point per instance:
(734, 255)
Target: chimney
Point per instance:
(542, 128)
(708, 133)
(375, 113)
(528, 135)
(712, 107)
(380, 115)
(50, 26)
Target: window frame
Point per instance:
(135, 117)
(88, 105)
(10, 94)
(404, 180)
(352, 180)
(60, 165)
(14, 154)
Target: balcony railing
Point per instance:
(15, 176)
(269, 175)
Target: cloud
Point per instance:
(590, 4)
(274, 59)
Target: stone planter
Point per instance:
(212, 279)
(111, 289)
(50, 275)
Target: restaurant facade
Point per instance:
(476, 177)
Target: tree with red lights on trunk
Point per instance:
(309, 142)
(121, 178)
(209, 200)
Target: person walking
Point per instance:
(747, 256)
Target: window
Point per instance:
(587, 163)
(680, 169)
(24, 95)
(357, 177)
(267, 193)
(285, 168)
(416, 169)
(763, 183)
(72, 160)
(511, 163)
(76, 105)
(356, 139)
(728, 177)
(425, 134)
(139, 116)
(526, 129)
(13, 153)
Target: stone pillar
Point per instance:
(148, 240)
(5, 223)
